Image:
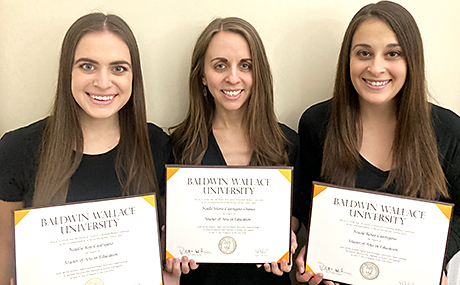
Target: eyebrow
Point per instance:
(117, 62)
(369, 46)
(226, 60)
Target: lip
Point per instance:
(101, 99)
(376, 84)
(232, 94)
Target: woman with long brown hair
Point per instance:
(379, 132)
(231, 121)
(96, 143)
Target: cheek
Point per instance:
(128, 84)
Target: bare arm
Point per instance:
(6, 243)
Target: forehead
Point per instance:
(229, 45)
(102, 46)
(375, 31)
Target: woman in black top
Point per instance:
(378, 131)
(231, 121)
(96, 143)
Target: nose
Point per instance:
(377, 66)
(102, 79)
(233, 76)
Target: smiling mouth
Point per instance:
(377, 83)
(232, 93)
(100, 97)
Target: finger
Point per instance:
(259, 265)
(300, 261)
(267, 267)
(193, 264)
(169, 265)
(284, 266)
(176, 267)
(184, 265)
(316, 279)
(294, 243)
(303, 276)
(275, 269)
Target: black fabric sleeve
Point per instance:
(18, 162)
(312, 133)
(447, 128)
(293, 154)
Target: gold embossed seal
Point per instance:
(94, 281)
(227, 245)
(369, 270)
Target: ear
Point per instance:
(203, 80)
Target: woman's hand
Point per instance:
(283, 265)
(177, 267)
(303, 276)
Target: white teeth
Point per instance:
(102, 98)
(377, 83)
(232, 93)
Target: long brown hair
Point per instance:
(415, 170)
(62, 141)
(267, 140)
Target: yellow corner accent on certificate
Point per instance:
(286, 173)
(318, 189)
(446, 210)
(285, 257)
(170, 172)
(308, 268)
(150, 199)
(169, 255)
(19, 215)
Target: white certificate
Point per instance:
(111, 241)
(228, 214)
(368, 237)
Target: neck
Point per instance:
(99, 135)
(382, 114)
(233, 120)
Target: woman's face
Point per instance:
(377, 65)
(228, 71)
(101, 75)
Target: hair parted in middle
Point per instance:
(415, 170)
(190, 138)
(62, 141)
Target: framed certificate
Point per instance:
(112, 241)
(368, 237)
(228, 214)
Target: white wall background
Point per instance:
(302, 39)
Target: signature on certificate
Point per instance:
(194, 251)
(334, 270)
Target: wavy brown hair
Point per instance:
(267, 140)
(62, 141)
(415, 169)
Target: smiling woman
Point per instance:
(379, 132)
(231, 121)
(96, 143)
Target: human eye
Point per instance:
(246, 66)
(87, 66)
(394, 54)
(363, 53)
(219, 66)
(119, 69)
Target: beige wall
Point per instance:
(302, 39)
